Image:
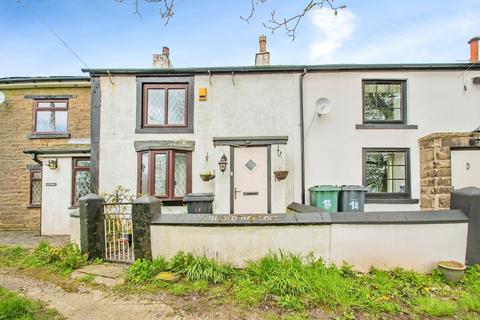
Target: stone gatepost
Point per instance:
(92, 230)
(143, 210)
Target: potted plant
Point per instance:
(452, 270)
(207, 175)
(280, 175)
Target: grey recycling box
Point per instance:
(199, 202)
(352, 198)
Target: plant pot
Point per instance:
(452, 270)
(207, 176)
(280, 175)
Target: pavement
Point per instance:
(29, 239)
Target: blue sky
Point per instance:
(210, 33)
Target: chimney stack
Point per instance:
(262, 58)
(162, 60)
(474, 49)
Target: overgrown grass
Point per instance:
(62, 260)
(299, 284)
(13, 306)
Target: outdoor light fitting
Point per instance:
(52, 164)
(475, 140)
(222, 164)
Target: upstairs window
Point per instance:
(384, 101)
(165, 105)
(51, 116)
(386, 172)
(165, 174)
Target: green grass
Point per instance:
(298, 284)
(13, 306)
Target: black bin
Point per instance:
(199, 202)
(352, 199)
(468, 200)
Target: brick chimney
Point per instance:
(262, 58)
(162, 60)
(474, 49)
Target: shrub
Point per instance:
(144, 271)
(63, 259)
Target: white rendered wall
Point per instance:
(436, 102)
(237, 245)
(413, 246)
(256, 105)
(56, 197)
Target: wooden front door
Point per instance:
(250, 174)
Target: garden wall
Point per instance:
(412, 240)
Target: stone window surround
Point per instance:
(170, 177)
(189, 80)
(394, 198)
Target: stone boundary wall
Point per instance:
(435, 168)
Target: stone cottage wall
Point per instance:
(16, 124)
(435, 168)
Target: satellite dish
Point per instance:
(2, 97)
(323, 106)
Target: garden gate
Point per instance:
(118, 232)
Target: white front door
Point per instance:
(250, 176)
(465, 168)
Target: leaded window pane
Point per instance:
(36, 175)
(180, 174)
(36, 192)
(144, 174)
(383, 102)
(160, 174)
(386, 171)
(82, 184)
(156, 106)
(51, 121)
(83, 163)
(176, 106)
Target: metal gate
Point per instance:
(118, 232)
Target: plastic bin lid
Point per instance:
(325, 188)
(205, 196)
(354, 188)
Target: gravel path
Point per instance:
(87, 304)
(28, 239)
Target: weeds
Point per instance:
(13, 306)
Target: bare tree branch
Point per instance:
(290, 24)
(166, 9)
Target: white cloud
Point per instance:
(333, 31)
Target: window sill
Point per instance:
(385, 126)
(49, 136)
(391, 200)
(34, 206)
(165, 130)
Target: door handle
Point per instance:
(235, 192)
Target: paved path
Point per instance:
(28, 239)
(87, 304)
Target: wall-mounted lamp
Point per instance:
(222, 164)
(52, 164)
(475, 140)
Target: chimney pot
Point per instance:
(262, 58)
(474, 49)
(162, 60)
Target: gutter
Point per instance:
(302, 135)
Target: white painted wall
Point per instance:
(412, 246)
(465, 168)
(256, 105)
(75, 229)
(56, 200)
(237, 245)
(436, 102)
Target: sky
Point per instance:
(107, 34)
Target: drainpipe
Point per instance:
(34, 158)
(302, 135)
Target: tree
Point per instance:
(289, 24)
